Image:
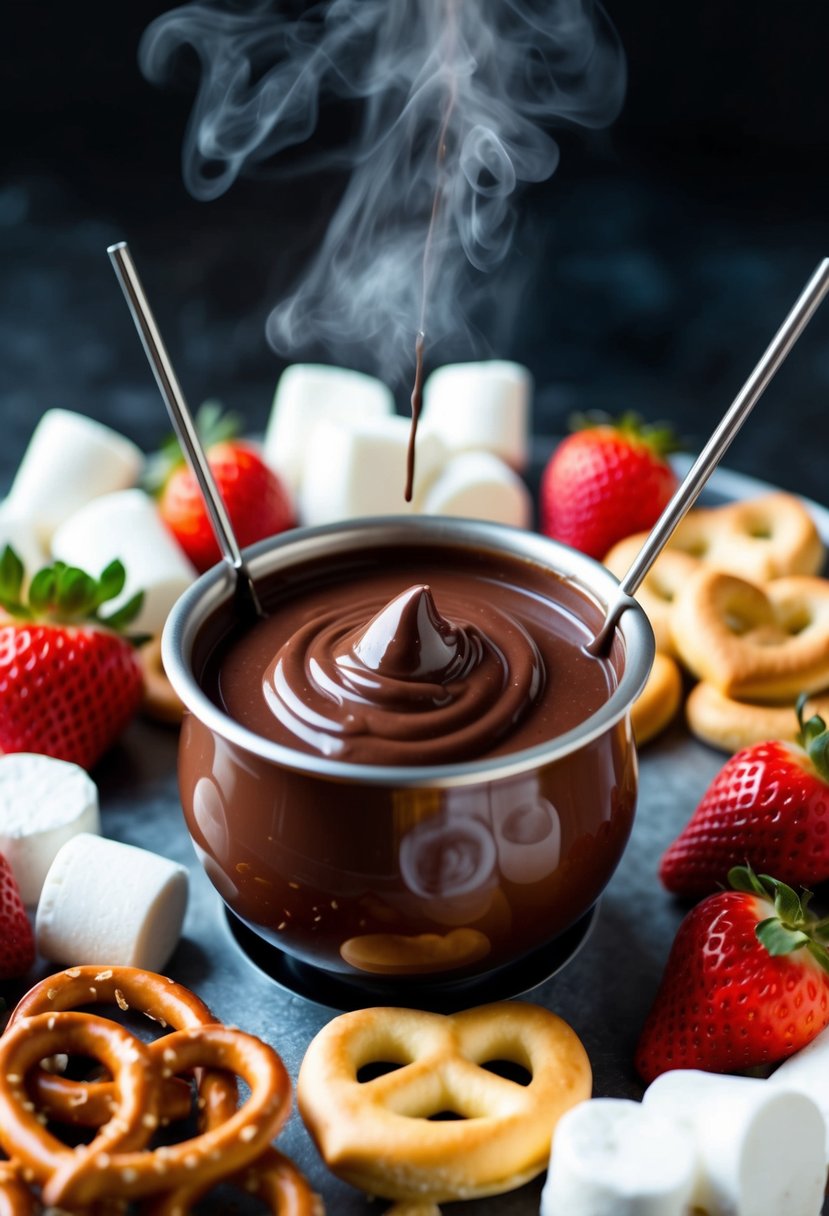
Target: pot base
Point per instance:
(344, 993)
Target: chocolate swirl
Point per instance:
(410, 687)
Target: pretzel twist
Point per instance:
(659, 588)
(730, 725)
(379, 1135)
(89, 1104)
(23, 1136)
(769, 537)
(751, 642)
(116, 1163)
(15, 1197)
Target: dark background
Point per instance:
(665, 251)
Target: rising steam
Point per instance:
(455, 97)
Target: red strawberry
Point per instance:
(256, 500)
(606, 481)
(69, 683)
(768, 807)
(17, 943)
(746, 983)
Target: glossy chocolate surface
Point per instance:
(423, 661)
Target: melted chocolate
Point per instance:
(477, 659)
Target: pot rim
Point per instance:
(217, 587)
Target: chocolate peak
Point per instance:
(410, 640)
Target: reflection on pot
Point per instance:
(449, 864)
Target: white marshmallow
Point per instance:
(807, 1071)
(478, 485)
(611, 1157)
(127, 525)
(306, 394)
(481, 405)
(69, 460)
(111, 903)
(761, 1147)
(43, 803)
(352, 471)
(20, 533)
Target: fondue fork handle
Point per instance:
(180, 416)
(688, 491)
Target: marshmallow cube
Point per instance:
(21, 535)
(111, 903)
(43, 803)
(611, 1157)
(308, 393)
(478, 485)
(807, 1072)
(69, 460)
(760, 1147)
(126, 525)
(481, 405)
(353, 471)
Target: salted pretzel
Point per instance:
(769, 537)
(161, 701)
(89, 1104)
(659, 701)
(116, 1164)
(751, 642)
(659, 588)
(25, 1139)
(731, 725)
(379, 1134)
(15, 1197)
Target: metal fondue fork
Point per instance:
(182, 420)
(687, 493)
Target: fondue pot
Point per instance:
(379, 880)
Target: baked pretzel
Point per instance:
(731, 725)
(89, 1104)
(754, 643)
(659, 701)
(273, 1178)
(769, 537)
(161, 701)
(15, 1197)
(661, 584)
(25, 1139)
(379, 1134)
(116, 1164)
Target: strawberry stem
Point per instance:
(659, 437)
(213, 425)
(63, 594)
(813, 737)
(793, 926)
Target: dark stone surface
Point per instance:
(663, 258)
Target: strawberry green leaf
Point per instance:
(42, 590)
(125, 615)
(779, 938)
(75, 593)
(813, 737)
(819, 954)
(11, 582)
(111, 583)
(658, 436)
(788, 905)
(743, 878)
